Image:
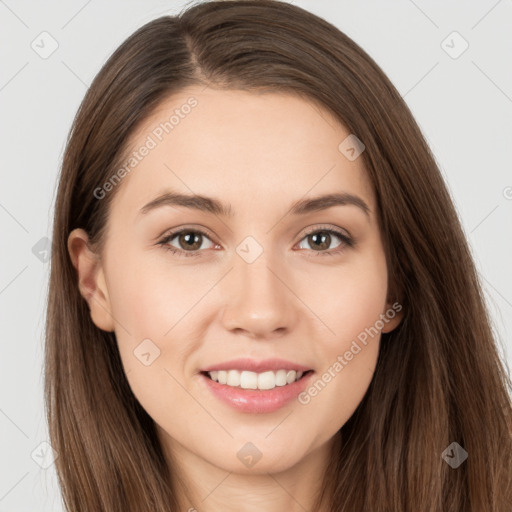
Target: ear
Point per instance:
(394, 314)
(91, 279)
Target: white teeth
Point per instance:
(267, 380)
(248, 380)
(253, 380)
(233, 378)
(290, 376)
(281, 378)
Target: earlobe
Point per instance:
(393, 316)
(91, 279)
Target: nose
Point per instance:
(260, 302)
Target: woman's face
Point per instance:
(277, 278)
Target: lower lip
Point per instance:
(256, 400)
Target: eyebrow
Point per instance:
(211, 205)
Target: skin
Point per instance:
(259, 153)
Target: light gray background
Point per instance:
(463, 105)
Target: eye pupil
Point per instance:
(322, 236)
(190, 240)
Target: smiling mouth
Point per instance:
(257, 381)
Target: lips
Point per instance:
(256, 401)
(272, 397)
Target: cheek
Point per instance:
(146, 297)
(349, 356)
(351, 299)
(147, 302)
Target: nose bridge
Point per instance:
(260, 302)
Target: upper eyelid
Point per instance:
(327, 228)
(171, 233)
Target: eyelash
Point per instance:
(346, 241)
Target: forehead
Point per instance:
(244, 147)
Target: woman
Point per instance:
(261, 297)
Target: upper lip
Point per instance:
(254, 365)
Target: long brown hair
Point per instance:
(439, 377)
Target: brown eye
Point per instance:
(189, 242)
(320, 240)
